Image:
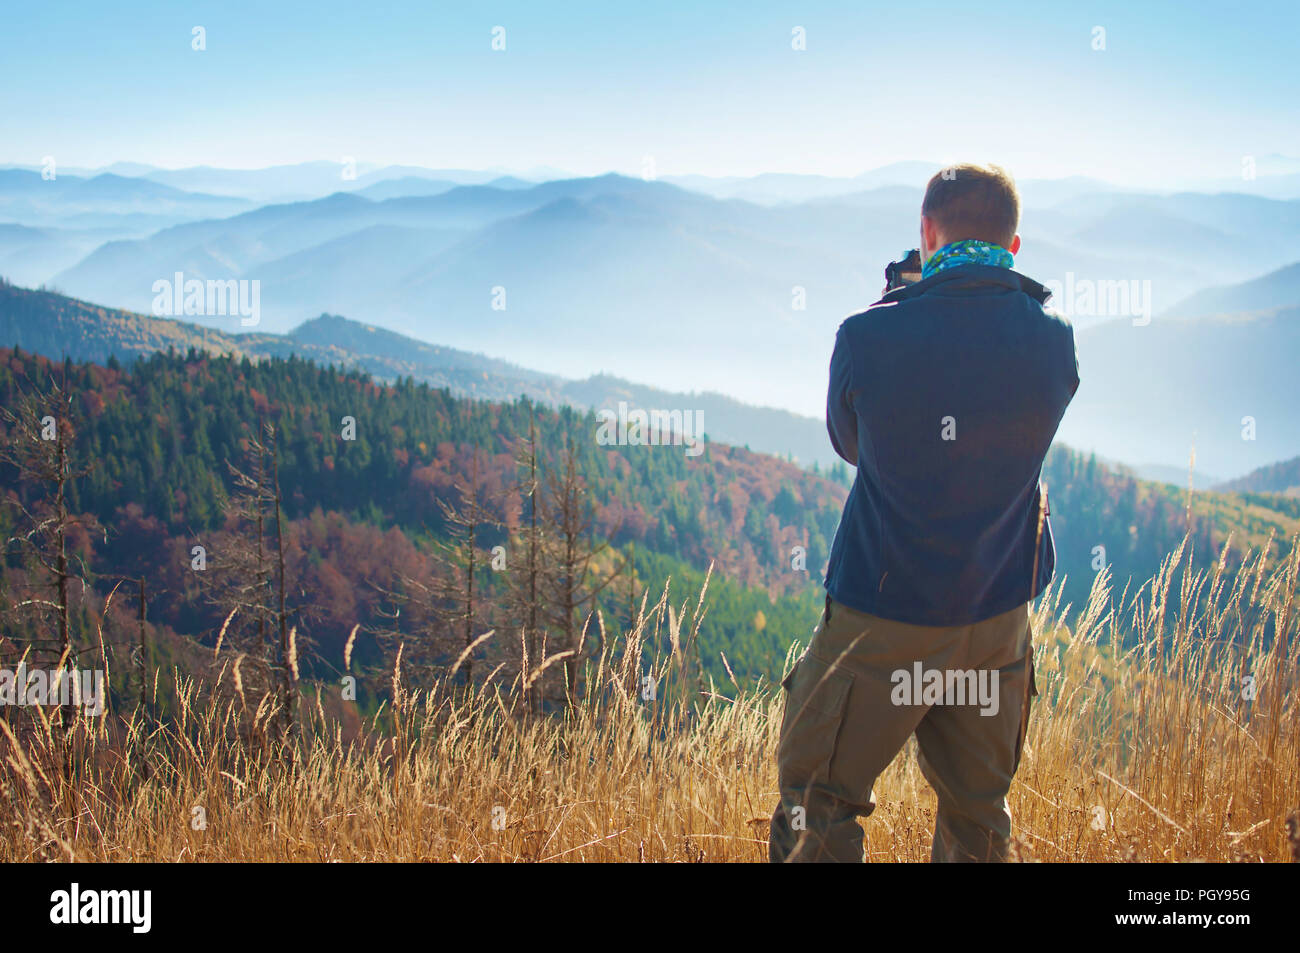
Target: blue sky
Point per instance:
(1181, 90)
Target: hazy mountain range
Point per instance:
(729, 286)
(1274, 176)
(1224, 385)
(104, 201)
(1264, 293)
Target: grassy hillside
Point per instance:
(1151, 756)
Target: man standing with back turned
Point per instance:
(945, 395)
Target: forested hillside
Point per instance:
(362, 469)
(1282, 477)
(373, 480)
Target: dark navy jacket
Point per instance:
(942, 531)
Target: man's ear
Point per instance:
(1015, 245)
(929, 237)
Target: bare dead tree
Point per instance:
(570, 552)
(288, 649)
(39, 449)
(250, 589)
(525, 589)
(415, 612)
(456, 602)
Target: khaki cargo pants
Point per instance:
(851, 701)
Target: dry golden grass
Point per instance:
(1151, 753)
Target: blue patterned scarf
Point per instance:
(968, 251)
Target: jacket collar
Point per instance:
(971, 275)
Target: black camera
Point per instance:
(906, 271)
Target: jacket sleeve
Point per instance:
(841, 418)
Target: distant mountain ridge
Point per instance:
(62, 200)
(1282, 477)
(1277, 289)
(1276, 178)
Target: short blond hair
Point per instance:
(974, 201)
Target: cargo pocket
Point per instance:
(816, 697)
